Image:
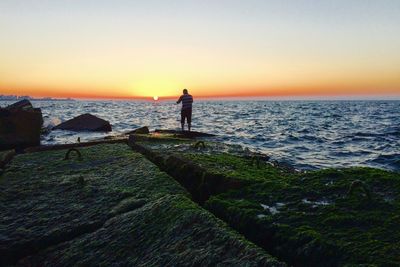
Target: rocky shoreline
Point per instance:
(164, 199)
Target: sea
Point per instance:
(305, 134)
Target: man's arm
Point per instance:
(179, 100)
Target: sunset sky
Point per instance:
(127, 49)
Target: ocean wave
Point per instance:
(389, 160)
(306, 134)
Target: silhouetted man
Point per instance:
(186, 111)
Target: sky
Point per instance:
(129, 49)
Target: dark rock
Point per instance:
(4, 112)
(20, 105)
(85, 122)
(20, 125)
(141, 130)
(187, 134)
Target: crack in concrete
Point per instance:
(200, 183)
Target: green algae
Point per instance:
(170, 145)
(236, 166)
(169, 231)
(112, 206)
(329, 217)
(311, 218)
(41, 192)
(207, 170)
(306, 219)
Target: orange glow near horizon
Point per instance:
(225, 80)
(172, 93)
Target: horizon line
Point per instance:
(228, 97)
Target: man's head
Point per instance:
(185, 91)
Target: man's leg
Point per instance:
(182, 120)
(189, 119)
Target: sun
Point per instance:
(155, 98)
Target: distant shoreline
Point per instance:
(19, 98)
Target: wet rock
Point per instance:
(141, 130)
(20, 105)
(20, 125)
(85, 122)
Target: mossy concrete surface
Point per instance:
(314, 218)
(331, 217)
(111, 207)
(169, 231)
(115, 206)
(207, 168)
(335, 216)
